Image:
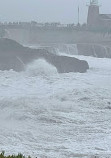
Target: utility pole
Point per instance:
(78, 15)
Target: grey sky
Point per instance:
(64, 11)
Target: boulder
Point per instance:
(15, 56)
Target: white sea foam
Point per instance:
(40, 68)
(60, 115)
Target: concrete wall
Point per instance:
(36, 36)
(88, 43)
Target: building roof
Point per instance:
(105, 16)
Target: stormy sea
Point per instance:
(45, 114)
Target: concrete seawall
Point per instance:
(88, 43)
(95, 50)
(43, 35)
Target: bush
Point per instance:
(12, 156)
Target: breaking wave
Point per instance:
(59, 49)
(44, 114)
(40, 68)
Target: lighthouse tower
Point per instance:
(93, 14)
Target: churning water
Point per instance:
(49, 115)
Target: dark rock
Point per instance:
(9, 45)
(15, 56)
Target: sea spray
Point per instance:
(40, 68)
(58, 49)
(55, 117)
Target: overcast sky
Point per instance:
(64, 11)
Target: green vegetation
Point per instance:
(12, 156)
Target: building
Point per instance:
(95, 19)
